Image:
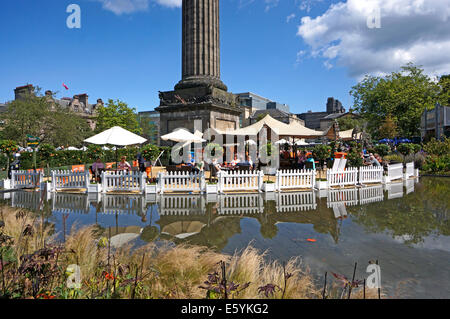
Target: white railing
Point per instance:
(371, 174)
(123, 181)
(238, 204)
(24, 179)
(394, 171)
(181, 205)
(342, 178)
(29, 200)
(240, 180)
(339, 210)
(69, 180)
(295, 202)
(181, 182)
(289, 179)
(409, 172)
(409, 185)
(348, 197)
(371, 194)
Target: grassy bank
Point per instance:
(33, 265)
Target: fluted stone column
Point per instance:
(200, 44)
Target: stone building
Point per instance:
(312, 119)
(435, 123)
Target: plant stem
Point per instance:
(353, 279)
(324, 286)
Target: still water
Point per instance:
(405, 226)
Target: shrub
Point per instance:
(416, 148)
(93, 152)
(382, 149)
(438, 148)
(394, 158)
(405, 149)
(321, 152)
(354, 159)
(437, 164)
(150, 152)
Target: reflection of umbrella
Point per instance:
(123, 235)
(116, 136)
(182, 135)
(183, 229)
(385, 140)
(403, 140)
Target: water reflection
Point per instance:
(405, 225)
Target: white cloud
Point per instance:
(411, 31)
(290, 17)
(129, 6)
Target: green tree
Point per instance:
(117, 113)
(349, 123)
(444, 95)
(403, 94)
(388, 129)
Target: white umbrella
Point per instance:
(105, 148)
(71, 148)
(250, 142)
(301, 142)
(283, 141)
(116, 136)
(182, 135)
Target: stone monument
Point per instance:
(200, 95)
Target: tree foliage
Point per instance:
(117, 113)
(404, 95)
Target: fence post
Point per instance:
(143, 182)
(220, 181)
(87, 181)
(260, 181)
(161, 182)
(103, 182)
(53, 181)
(277, 180)
(202, 181)
(13, 173)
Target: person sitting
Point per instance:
(123, 164)
(310, 159)
(235, 161)
(199, 166)
(97, 168)
(141, 162)
(372, 161)
(301, 159)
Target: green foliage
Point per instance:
(436, 147)
(150, 152)
(321, 152)
(8, 147)
(349, 122)
(437, 164)
(404, 95)
(394, 158)
(405, 149)
(354, 159)
(117, 113)
(213, 150)
(382, 149)
(149, 128)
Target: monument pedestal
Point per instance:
(214, 107)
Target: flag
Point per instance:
(65, 86)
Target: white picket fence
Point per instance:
(238, 204)
(181, 182)
(409, 172)
(371, 174)
(289, 179)
(24, 179)
(123, 205)
(349, 177)
(65, 179)
(394, 171)
(240, 180)
(295, 202)
(123, 181)
(395, 190)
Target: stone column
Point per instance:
(200, 44)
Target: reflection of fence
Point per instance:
(181, 182)
(348, 197)
(182, 205)
(349, 177)
(409, 172)
(123, 181)
(69, 180)
(409, 185)
(394, 171)
(240, 180)
(123, 204)
(288, 179)
(238, 204)
(371, 174)
(28, 200)
(295, 202)
(66, 203)
(24, 179)
(371, 194)
(395, 190)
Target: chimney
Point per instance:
(22, 91)
(83, 98)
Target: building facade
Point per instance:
(313, 119)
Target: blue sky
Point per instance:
(130, 49)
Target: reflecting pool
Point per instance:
(405, 226)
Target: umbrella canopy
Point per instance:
(283, 141)
(71, 148)
(301, 142)
(385, 140)
(116, 136)
(182, 135)
(183, 229)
